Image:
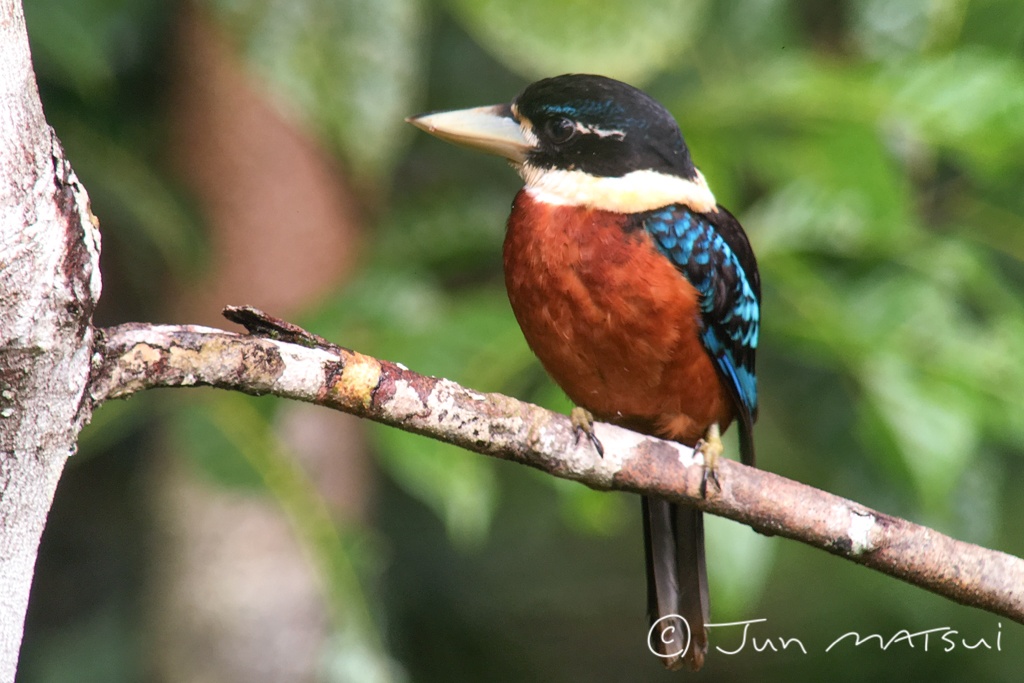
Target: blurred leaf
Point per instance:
(67, 48)
(598, 513)
(471, 338)
(350, 67)
(445, 231)
(347, 659)
(227, 430)
(217, 456)
(83, 43)
(1003, 376)
(250, 432)
(932, 424)
(898, 31)
(785, 94)
(804, 215)
(739, 560)
(744, 30)
(100, 649)
(111, 423)
(155, 213)
(626, 40)
(850, 160)
(993, 24)
(968, 101)
(459, 486)
(997, 227)
(977, 500)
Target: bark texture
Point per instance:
(49, 285)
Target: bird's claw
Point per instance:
(710, 447)
(583, 423)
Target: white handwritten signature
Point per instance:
(667, 633)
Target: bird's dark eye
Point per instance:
(560, 130)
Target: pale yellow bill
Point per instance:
(485, 129)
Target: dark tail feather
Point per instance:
(677, 581)
(746, 427)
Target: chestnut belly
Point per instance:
(611, 319)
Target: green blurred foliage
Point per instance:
(624, 40)
(232, 440)
(873, 150)
(101, 67)
(352, 68)
(86, 45)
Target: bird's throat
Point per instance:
(633, 192)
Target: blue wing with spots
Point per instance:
(713, 253)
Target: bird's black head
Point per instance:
(600, 126)
(584, 141)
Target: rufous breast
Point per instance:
(611, 319)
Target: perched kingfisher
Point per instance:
(638, 292)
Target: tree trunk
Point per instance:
(49, 285)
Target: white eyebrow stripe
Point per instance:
(600, 132)
(526, 125)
